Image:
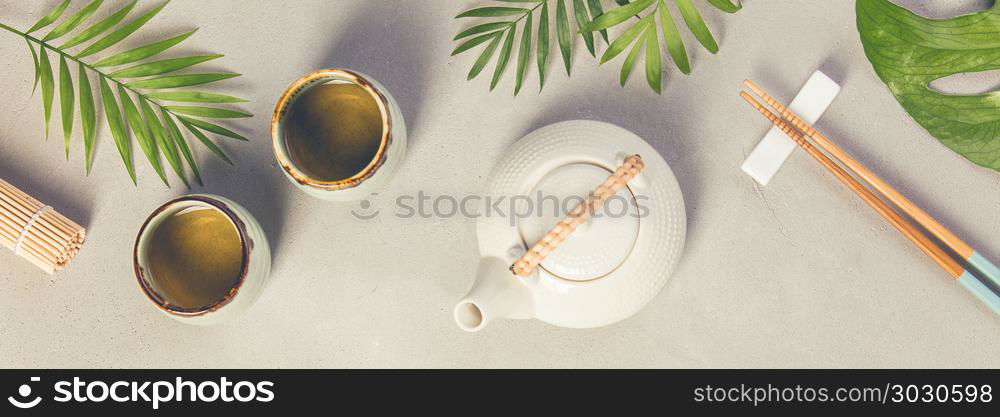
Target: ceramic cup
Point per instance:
(378, 171)
(256, 264)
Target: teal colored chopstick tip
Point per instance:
(984, 293)
(985, 268)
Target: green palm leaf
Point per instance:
(618, 15)
(484, 57)
(562, 34)
(697, 25)
(596, 10)
(582, 18)
(88, 116)
(653, 65)
(522, 55)
(625, 40)
(163, 143)
(140, 130)
(151, 123)
(672, 36)
(182, 145)
(472, 43)
(645, 30)
(205, 140)
(162, 67)
(66, 102)
(640, 31)
(117, 127)
(34, 58)
(542, 50)
(210, 127)
(99, 27)
(483, 28)
(49, 18)
(194, 97)
(48, 86)
(493, 12)
(630, 60)
(501, 35)
(185, 80)
(727, 5)
(73, 21)
(121, 33)
(142, 52)
(209, 112)
(504, 58)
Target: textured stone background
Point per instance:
(798, 274)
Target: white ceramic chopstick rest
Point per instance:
(811, 102)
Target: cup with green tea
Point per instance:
(201, 259)
(338, 134)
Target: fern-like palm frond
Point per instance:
(646, 34)
(643, 34)
(502, 34)
(132, 87)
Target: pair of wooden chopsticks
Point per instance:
(982, 278)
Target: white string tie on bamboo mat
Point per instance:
(27, 227)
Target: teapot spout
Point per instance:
(496, 294)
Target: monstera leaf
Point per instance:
(909, 52)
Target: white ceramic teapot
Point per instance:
(606, 270)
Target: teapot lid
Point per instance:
(599, 245)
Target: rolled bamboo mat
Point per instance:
(37, 232)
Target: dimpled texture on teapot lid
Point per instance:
(599, 245)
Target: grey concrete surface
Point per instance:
(798, 274)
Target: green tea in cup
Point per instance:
(195, 257)
(338, 134)
(332, 131)
(201, 258)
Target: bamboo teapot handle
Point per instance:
(629, 169)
